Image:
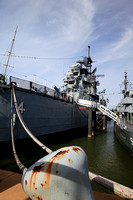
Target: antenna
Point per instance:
(125, 82)
(10, 51)
(89, 61)
(88, 51)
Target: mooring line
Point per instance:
(20, 165)
(115, 187)
(25, 127)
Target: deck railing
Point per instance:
(29, 85)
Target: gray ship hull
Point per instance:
(42, 113)
(125, 137)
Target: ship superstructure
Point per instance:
(124, 130)
(80, 82)
(125, 107)
(47, 110)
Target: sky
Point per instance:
(54, 34)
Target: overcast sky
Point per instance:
(64, 29)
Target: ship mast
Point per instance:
(89, 61)
(125, 82)
(10, 51)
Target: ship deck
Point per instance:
(10, 187)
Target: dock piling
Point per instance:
(104, 122)
(91, 122)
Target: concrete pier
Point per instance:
(11, 188)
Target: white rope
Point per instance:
(26, 128)
(20, 165)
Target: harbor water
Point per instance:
(106, 156)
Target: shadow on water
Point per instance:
(29, 152)
(106, 156)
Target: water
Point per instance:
(106, 156)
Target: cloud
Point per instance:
(61, 28)
(124, 47)
(78, 26)
(64, 29)
(120, 49)
(69, 29)
(47, 29)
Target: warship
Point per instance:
(48, 110)
(124, 129)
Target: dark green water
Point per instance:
(106, 156)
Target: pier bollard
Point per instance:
(63, 174)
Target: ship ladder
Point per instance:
(108, 112)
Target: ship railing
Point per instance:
(20, 82)
(32, 86)
(125, 124)
(108, 112)
(129, 124)
(29, 85)
(87, 103)
(100, 107)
